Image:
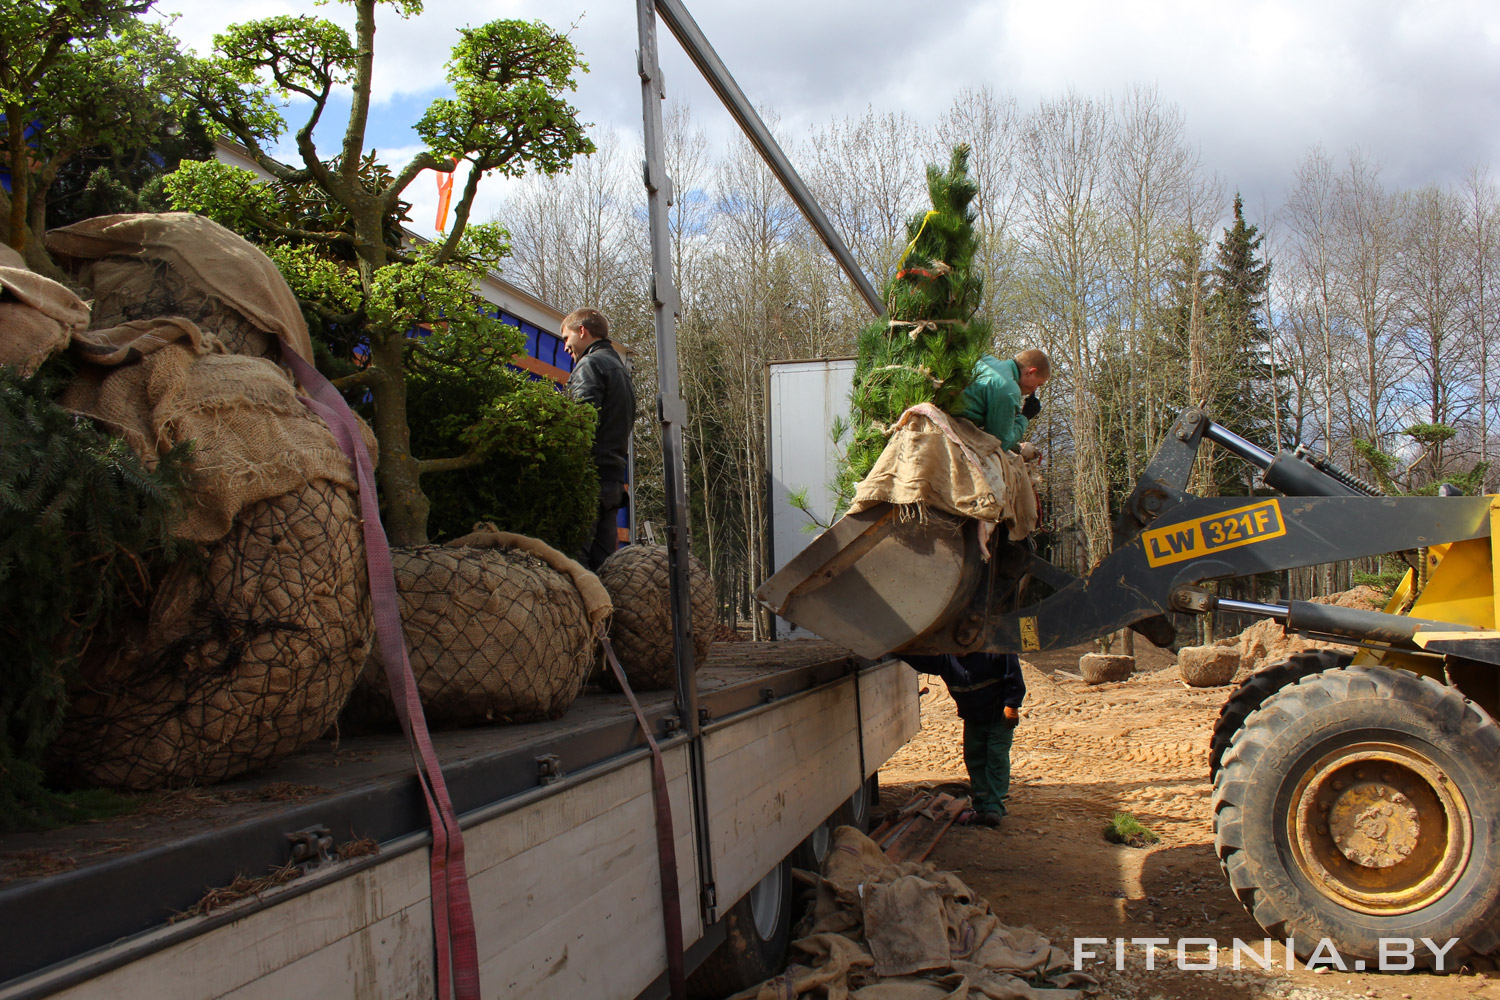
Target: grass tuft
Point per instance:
(1124, 828)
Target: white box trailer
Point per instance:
(804, 401)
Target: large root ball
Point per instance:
(1102, 668)
(1208, 666)
(494, 635)
(636, 578)
(249, 653)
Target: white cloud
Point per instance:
(1416, 85)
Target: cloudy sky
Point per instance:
(1416, 84)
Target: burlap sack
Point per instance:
(641, 634)
(38, 316)
(501, 628)
(180, 264)
(251, 649)
(938, 461)
(911, 932)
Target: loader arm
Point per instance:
(1203, 539)
(880, 583)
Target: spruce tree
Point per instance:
(1236, 305)
(925, 349)
(83, 524)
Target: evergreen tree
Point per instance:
(84, 525)
(925, 349)
(1242, 341)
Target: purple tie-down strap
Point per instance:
(452, 914)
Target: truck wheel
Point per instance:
(758, 931)
(1255, 689)
(815, 846)
(1362, 805)
(856, 812)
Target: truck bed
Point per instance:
(160, 860)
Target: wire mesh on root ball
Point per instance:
(499, 630)
(641, 633)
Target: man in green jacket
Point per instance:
(1002, 398)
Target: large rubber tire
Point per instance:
(758, 933)
(1363, 804)
(1255, 689)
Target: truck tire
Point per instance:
(1255, 689)
(758, 930)
(860, 807)
(810, 854)
(1363, 804)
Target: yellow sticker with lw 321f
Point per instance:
(1258, 522)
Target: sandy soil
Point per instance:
(1139, 746)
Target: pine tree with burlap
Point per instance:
(925, 349)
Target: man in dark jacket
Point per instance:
(601, 379)
(987, 690)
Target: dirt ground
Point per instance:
(1139, 746)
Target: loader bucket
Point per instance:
(875, 580)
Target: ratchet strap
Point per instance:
(452, 914)
(666, 850)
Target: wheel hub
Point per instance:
(1379, 828)
(1374, 825)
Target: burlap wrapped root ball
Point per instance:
(249, 650)
(641, 632)
(249, 653)
(499, 628)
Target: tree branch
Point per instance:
(359, 110)
(424, 160)
(365, 377)
(461, 215)
(465, 461)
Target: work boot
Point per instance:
(991, 819)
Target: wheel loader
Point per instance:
(1356, 798)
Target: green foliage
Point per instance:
(508, 78)
(925, 352)
(1392, 571)
(231, 196)
(101, 87)
(1393, 479)
(538, 474)
(1124, 828)
(333, 225)
(82, 523)
(1429, 435)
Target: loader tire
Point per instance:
(1255, 689)
(1362, 805)
(758, 932)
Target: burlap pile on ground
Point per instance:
(250, 650)
(935, 460)
(637, 580)
(501, 628)
(1267, 642)
(884, 931)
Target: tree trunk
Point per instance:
(404, 506)
(20, 174)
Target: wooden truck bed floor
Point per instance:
(161, 859)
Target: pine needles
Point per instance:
(926, 349)
(82, 522)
